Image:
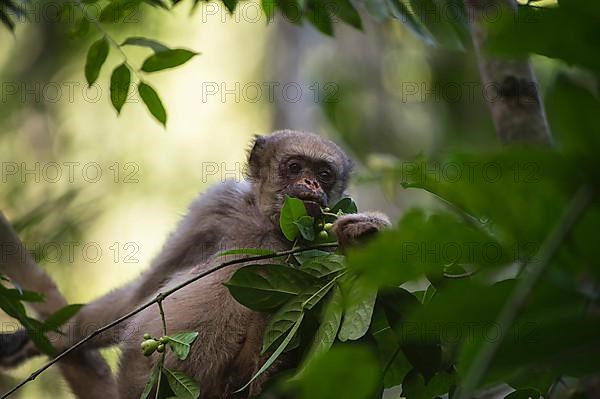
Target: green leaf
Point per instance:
(268, 7)
(289, 313)
(80, 29)
(152, 380)
(533, 30)
(321, 266)
(181, 342)
(535, 182)
(528, 393)
(247, 251)
(159, 4)
(459, 319)
(359, 301)
(292, 210)
(182, 385)
(14, 308)
(573, 116)
(7, 21)
(434, 16)
(414, 385)
(388, 349)
(61, 316)
(19, 295)
(328, 329)
(577, 347)
(305, 225)
(153, 102)
(346, 12)
(167, 59)
(425, 357)
(291, 10)
(305, 256)
(423, 245)
(119, 86)
(277, 352)
(230, 4)
(378, 9)
(318, 15)
(35, 332)
(96, 56)
(346, 205)
(145, 42)
(354, 367)
(266, 287)
(118, 10)
(400, 11)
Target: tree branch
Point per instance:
(160, 297)
(576, 208)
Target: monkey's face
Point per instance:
(307, 179)
(301, 165)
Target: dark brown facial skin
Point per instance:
(307, 179)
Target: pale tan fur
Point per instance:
(229, 215)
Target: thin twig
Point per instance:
(161, 362)
(108, 37)
(159, 300)
(162, 357)
(576, 208)
(159, 297)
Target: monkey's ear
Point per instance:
(256, 155)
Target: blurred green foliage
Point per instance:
(496, 210)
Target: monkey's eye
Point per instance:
(325, 176)
(295, 167)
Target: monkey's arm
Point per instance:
(348, 229)
(195, 240)
(87, 373)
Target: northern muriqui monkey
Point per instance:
(229, 215)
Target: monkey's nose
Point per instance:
(311, 184)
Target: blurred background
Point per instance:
(94, 194)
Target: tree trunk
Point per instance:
(510, 85)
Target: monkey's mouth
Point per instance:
(308, 197)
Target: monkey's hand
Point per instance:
(15, 348)
(350, 229)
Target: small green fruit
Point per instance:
(164, 340)
(149, 346)
(319, 226)
(328, 226)
(160, 348)
(323, 235)
(326, 209)
(147, 336)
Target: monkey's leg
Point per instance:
(87, 373)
